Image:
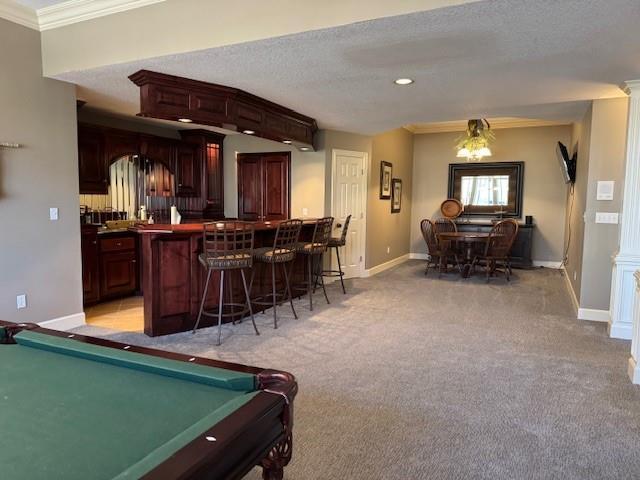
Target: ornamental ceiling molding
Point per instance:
(66, 13)
(496, 123)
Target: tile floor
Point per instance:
(125, 314)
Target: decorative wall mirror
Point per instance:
(488, 189)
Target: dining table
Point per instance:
(467, 241)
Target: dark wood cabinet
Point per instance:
(264, 186)
(91, 161)
(119, 143)
(187, 168)
(118, 266)
(90, 267)
(521, 250)
(209, 149)
(157, 149)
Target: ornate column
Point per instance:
(634, 360)
(627, 260)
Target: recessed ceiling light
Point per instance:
(403, 81)
(304, 149)
(288, 142)
(185, 120)
(248, 132)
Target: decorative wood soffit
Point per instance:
(182, 99)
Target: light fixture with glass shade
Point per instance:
(474, 145)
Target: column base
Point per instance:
(633, 369)
(622, 296)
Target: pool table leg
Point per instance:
(279, 456)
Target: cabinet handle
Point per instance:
(179, 184)
(95, 242)
(133, 261)
(118, 244)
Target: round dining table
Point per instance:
(468, 240)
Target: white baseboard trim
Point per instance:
(633, 369)
(385, 266)
(547, 264)
(594, 315)
(572, 293)
(65, 323)
(622, 332)
(419, 256)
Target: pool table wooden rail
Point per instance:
(257, 434)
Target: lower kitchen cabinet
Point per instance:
(117, 274)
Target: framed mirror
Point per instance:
(488, 189)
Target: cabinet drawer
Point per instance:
(117, 244)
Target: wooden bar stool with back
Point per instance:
(314, 252)
(337, 242)
(227, 246)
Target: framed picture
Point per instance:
(385, 180)
(396, 195)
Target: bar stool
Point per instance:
(314, 251)
(227, 246)
(337, 242)
(282, 253)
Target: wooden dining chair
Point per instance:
(439, 251)
(498, 248)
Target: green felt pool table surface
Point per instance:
(70, 410)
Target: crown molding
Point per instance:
(74, 11)
(14, 12)
(496, 123)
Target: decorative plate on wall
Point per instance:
(451, 208)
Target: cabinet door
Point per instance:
(275, 186)
(157, 149)
(90, 280)
(250, 186)
(91, 162)
(187, 170)
(214, 180)
(118, 274)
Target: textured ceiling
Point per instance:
(516, 58)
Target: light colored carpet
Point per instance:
(408, 377)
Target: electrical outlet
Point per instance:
(21, 301)
(575, 275)
(607, 217)
(305, 212)
(388, 249)
(53, 213)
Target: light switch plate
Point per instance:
(605, 190)
(21, 301)
(53, 213)
(607, 217)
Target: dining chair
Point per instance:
(498, 248)
(439, 251)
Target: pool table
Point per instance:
(78, 407)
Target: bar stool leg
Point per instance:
(204, 297)
(286, 281)
(319, 267)
(220, 303)
(273, 293)
(309, 281)
(340, 270)
(248, 297)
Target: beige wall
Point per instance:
(176, 26)
(544, 189)
(386, 230)
(606, 162)
(577, 202)
(307, 174)
(38, 257)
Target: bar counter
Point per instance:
(173, 278)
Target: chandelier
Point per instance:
(475, 144)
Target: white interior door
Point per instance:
(349, 197)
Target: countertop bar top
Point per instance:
(197, 227)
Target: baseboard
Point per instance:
(419, 256)
(65, 323)
(572, 293)
(386, 265)
(633, 369)
(547, 264)
(622, 332)
(594, 315)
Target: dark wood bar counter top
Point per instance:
(173, 278)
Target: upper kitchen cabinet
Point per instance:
(209, 165)
(158, 149)
(119, 143)
(92, 166)
(187, 170)
(176, 98)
